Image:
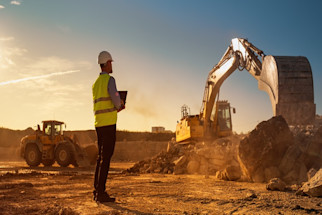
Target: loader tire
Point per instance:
(64, 155)
(32, 155)
(48, 162)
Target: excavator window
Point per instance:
(224, 118)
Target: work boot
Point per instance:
(104, 197)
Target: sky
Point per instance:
(162, 51)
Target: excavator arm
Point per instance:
(240, 55)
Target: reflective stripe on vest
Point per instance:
(102, 99)
(104, 109)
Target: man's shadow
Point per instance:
(116, 206)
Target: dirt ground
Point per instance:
(57, 190)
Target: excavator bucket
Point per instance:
(289, 84)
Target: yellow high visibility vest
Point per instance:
(104, 109)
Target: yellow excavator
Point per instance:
(287, 80)
(50, 144)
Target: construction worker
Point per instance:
(107, 103)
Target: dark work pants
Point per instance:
(106, 137)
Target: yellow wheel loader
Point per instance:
(287, 80)
(50, 144)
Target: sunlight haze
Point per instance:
(162, 51)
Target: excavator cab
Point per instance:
(221, 119)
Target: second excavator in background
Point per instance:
(287, 80)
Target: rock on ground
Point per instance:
(314, 186)
(264, 148)
(311, 173)
(276, 184)
(231, 173)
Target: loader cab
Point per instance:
(52, 129)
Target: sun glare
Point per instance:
(1, 51)
(0, 54)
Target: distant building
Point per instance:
(158, 129)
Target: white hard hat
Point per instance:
(103, 57)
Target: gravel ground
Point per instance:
(65, 191)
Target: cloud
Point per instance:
(7, 54)
(51, 64)
(14, 51)
(15, 2)
(44, 85)
(37, 77)
(5, 62)
(56, 69)
(5, 39)
(1, 6)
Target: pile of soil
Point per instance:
(271, 150)
(163, 162)
(195, 158)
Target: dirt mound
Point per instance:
(11, 138)
(200, 158)
(271, 150)
(10, 142)
(161, 163)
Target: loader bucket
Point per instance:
(289, 84)
(87, 156)
(91, 152)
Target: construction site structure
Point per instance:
(286, 79)
(158, 129)
(50, 144)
